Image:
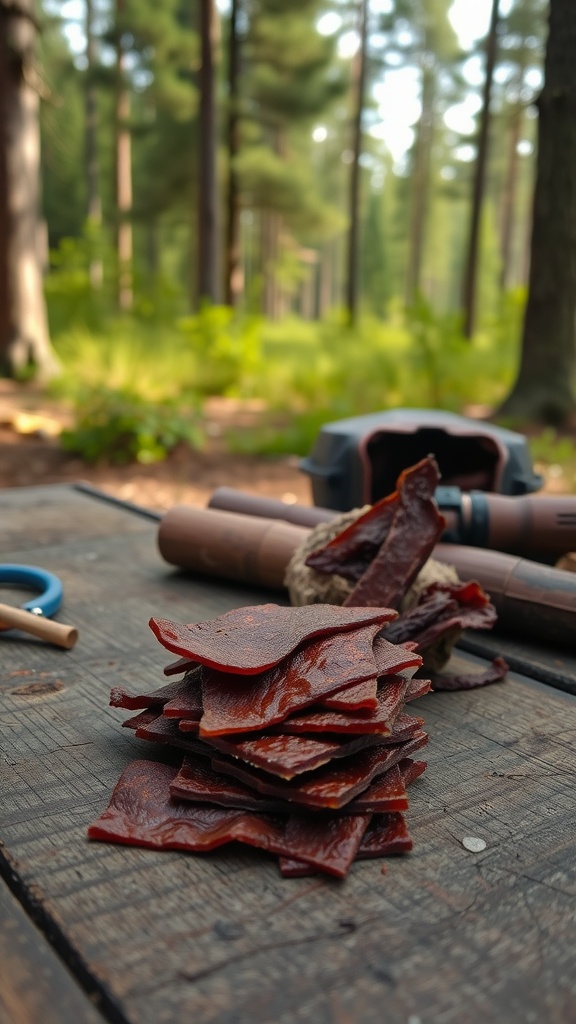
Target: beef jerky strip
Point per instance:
(416, 528)
(187, 705)
(357, 698)
(157, 698)
(332, 786)
(417, 688)
(290, 756)
(317, 669)
(141, 812)
(495, 673)
(411, 624)
(390, 697)
(198, 782)
(386, 836)
(278, 755)
(473, 611)
(364, 696)
(351, 552)
(253, 639)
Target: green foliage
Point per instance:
(225, 350)
(119, 427)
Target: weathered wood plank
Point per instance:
(35, 987)
(444, 935)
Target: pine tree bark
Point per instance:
(471, 266)
(420, 186)
(234, 276)
(207, 197)
(543, 390)
(24, 336)
(359, 79)
(93, 202)
(123, 174)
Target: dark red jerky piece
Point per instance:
(175, 668)
(417, 688)
(360, 697)
(120, 698)
(351, 552)
(332, 786)
(283, 756)
(198, 782)
(390, 698)
(470, 680)
(189, 725)
(416, 528)
(318, 668)
(387, 835)
(253, 639)
(144, 719)
(411, 624)
(290, 755)
(394, 657)
(187, 705)
(473, 611)
(141, 812)
(411, 770)
(330, 844)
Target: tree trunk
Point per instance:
(93, 203)
(420, 187)
(471, 268)
(123, 173)
(24, 337)
(234, 277)
(354, 201)
(207, 197)
(509, 195)
(543, 388)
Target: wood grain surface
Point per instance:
(444, 936)
(34, 984)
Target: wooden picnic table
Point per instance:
(99, 932)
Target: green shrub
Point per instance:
(118, 428)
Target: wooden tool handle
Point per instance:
(53, 632)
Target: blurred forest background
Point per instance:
(320, 208)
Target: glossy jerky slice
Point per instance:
(390, 697)
(332, 786)
(350, 553)
(120, 698)
(199, 782)
(290, 755)
(416, 528)
(319, 667)
(141, 812)
(495, 673)
(253, 639)
(387, 835)
(417, 688)
(360, 697)
(187, 705)
(282, 756)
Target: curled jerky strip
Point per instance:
(416, 527)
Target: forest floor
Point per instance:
(30, 454)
